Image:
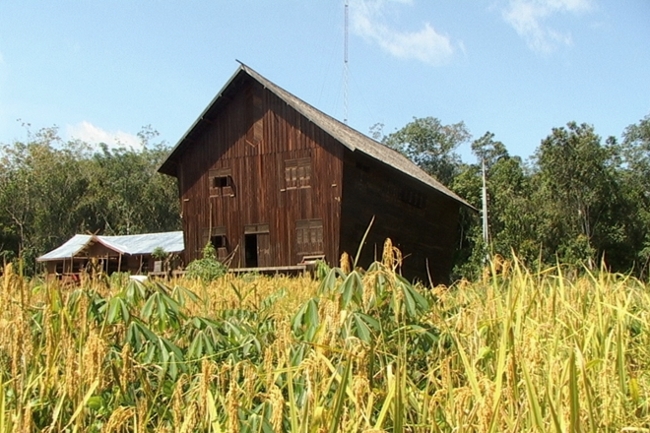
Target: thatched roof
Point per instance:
(347, 136)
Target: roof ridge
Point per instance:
(346, 135)
(391, 153)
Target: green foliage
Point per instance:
(431, 145)
(51, 189)
(207, 268)
(159, 253)
(512, 211)
(577, 179)
(635, 175)
(579, 200)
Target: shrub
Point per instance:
(207, 268)
(159, 253)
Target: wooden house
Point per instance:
(270, 180)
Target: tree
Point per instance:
(512, 215)
(40, 187)
(512, 218)
(635, 174)
(127, 194)
(576, 176)
(488, 150)
(431, 145)
(51, 189)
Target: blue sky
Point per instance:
(102, 70)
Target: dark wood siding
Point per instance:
(421, 222)
(267, 186)
(251, 138)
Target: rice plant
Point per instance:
(352, 351)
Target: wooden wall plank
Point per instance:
(258, 177)
(425, 236)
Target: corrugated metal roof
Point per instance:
(171, 242)
(69, 249)
(348, 137)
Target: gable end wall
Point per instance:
(253, 135)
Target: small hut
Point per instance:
(127, 253)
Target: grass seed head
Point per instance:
(361, 390)
(178, 402)
(276, 400)
(119, 420)
(207, 369)
(191, 419)
(232, 406)
(126, 373)
(345, 263)
(94, 352)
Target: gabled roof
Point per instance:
(171, 242)
(69, 249)
(348, 137)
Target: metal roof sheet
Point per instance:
(171, 242)
(69, 249)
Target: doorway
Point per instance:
(257, 246)
(250, 246)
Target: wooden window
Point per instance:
(221, 183)
(309, 236)
(297, 173)
(217, 237)
(220, 244)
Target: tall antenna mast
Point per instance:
(345, 66)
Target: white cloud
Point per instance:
(93, 135)
(529, 19)
(425, 45)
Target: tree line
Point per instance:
(51, 189)
(579, 200)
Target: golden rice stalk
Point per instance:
(119, 419)
(232, 401)
(94, 352)
(191, 419)
(178, 403)
(345, 263)
(206, 378)
(126, 374)
(276, 400)
(391, 256)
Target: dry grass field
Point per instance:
(351, 351)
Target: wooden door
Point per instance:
(263, 250)
(257, 246)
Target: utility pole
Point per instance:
(486, 236)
